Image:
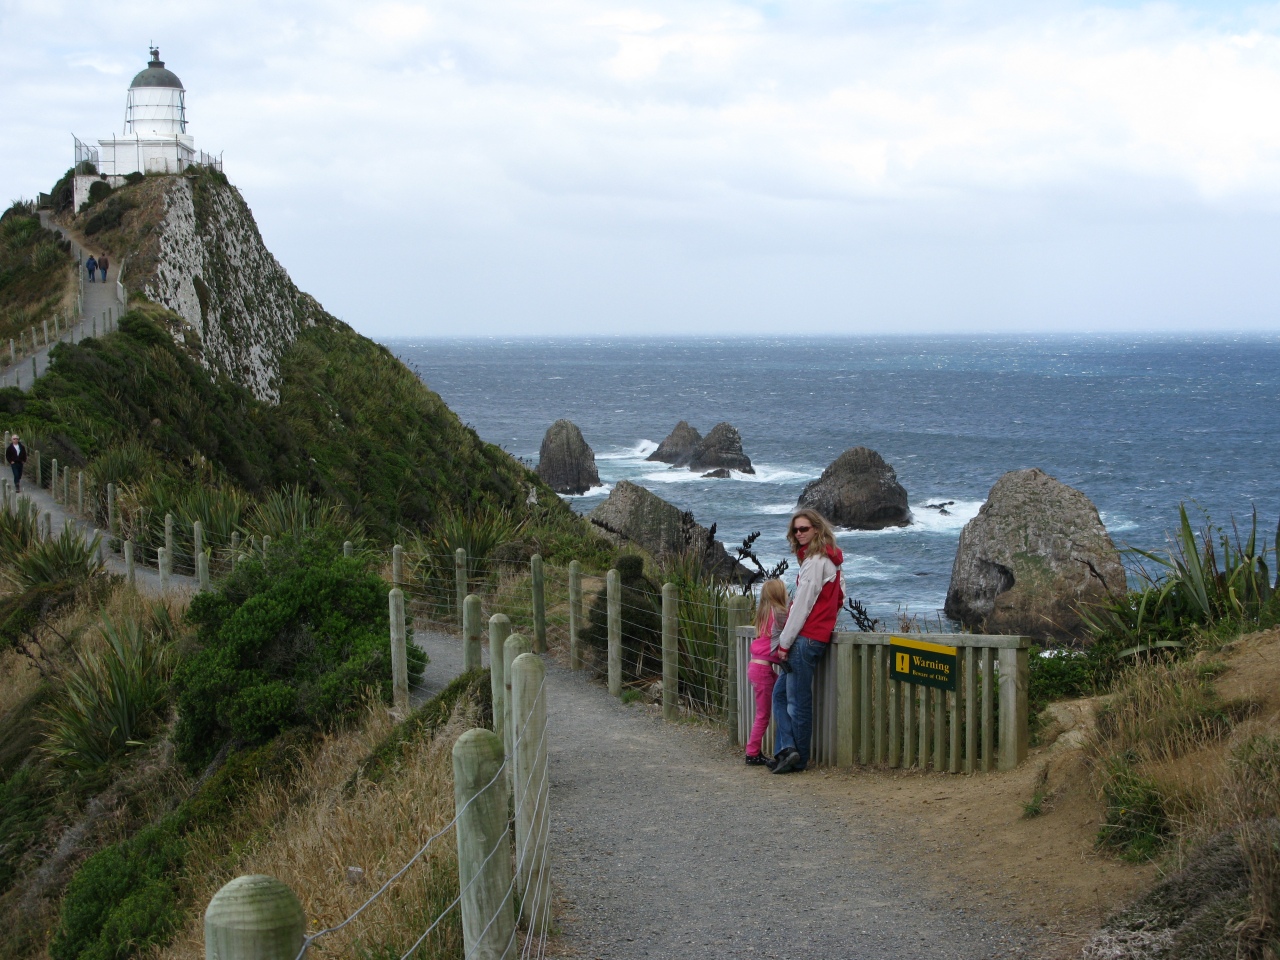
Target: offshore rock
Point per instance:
(859, 491)
(1036, 551)
(721, 449)
(720, 474)
(633, 515)
(677, 449)
(565, 461)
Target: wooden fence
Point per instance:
(862, 715)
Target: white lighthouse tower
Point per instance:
(155, 138)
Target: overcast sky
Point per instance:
(571, 167)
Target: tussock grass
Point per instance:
(376, 826)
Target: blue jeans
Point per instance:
(793, 699)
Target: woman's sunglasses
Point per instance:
(801, 529)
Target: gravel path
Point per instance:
(665, 844)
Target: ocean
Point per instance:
(1138, 424)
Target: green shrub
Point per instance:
(25, 802)
(19, 528)
(641, 620)
(123, 899)
(295, 640)
(111, 700)
(99, 190)
(292, 512)
(703, 620)
(1059, 674)
(67, 558)
(1135, 823)
(135, 178)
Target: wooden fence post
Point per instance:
(484, 871)
(471, 633)
(1015, 666)
(235, 549)
(575, 614)
(266, 545)
(254, 918)
(846, 703)
(197, 538)
(499, 630)
(66, 487)
(162, 561)
(539, 605)
(399, 652)
(529, 711)
(168, 541)
(348, 548)
(670, 653)
(112, 520)
(512, 647)
(48, 525)
(53, 480)
(39, 471)
(202, 571)
(736, 613)
(397, 564)
(130, 571)
(80, 491)
(613, 603)
(460, 580)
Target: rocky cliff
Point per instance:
(190, 243)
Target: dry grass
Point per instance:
(377, 827)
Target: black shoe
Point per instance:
(757, 760)
(787, 760)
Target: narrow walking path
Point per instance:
(146, 578)
(665, 845)
(101, 307)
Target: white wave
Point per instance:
(674, 475)
(768, 474)
(601, 491)
(639, 452)
(1117, 524)
(862, 569)
(924, 520)
(775, 509)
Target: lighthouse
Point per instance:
(155, 138)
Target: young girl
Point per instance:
(771, 617)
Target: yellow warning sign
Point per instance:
(918, 661)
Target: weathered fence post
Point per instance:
(471, 633)
(575, 614)
(737, 613)
(45, 324)
(397, 565)
(35, 371)
(670, 653)
(499, 630)
(162, 562)
(112, 520)
(460, 579)
(53, 480)
(235, 549)
(512, 647)
(613, 606)
(80, 491)
(197, 538)
(348, 548)
(39, 470)
(66, 487)
(484, 872)
(266, 545)
(846, 715)
(168, 539)
(130, 572)
(254, 918)
(399, 651)
(539, 605)
(48, 525)
(532, 791)
(202, 571)
(1015, 666)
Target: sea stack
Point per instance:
(1036, 552)
(565, 461)
(678, 447)
(859, 491)
(721, 449)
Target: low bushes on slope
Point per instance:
(35, 270)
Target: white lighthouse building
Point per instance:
(155, 138)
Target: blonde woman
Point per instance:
(811, 623)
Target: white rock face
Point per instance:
(241, 309)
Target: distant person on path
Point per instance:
(16, 456)
(806, 637)
(103, 263)
(92, 266)
(771, 617)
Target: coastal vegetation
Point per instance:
(37, 278)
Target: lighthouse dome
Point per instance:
(156, 75)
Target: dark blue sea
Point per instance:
(1139, 425)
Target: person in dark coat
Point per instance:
(16, 456)
(103, 263)
(92, 266)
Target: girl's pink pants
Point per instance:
(762, 680)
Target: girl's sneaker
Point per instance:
(757, 760)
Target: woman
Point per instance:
(807, 635)
(92, 266)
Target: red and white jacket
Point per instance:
(818, 598)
